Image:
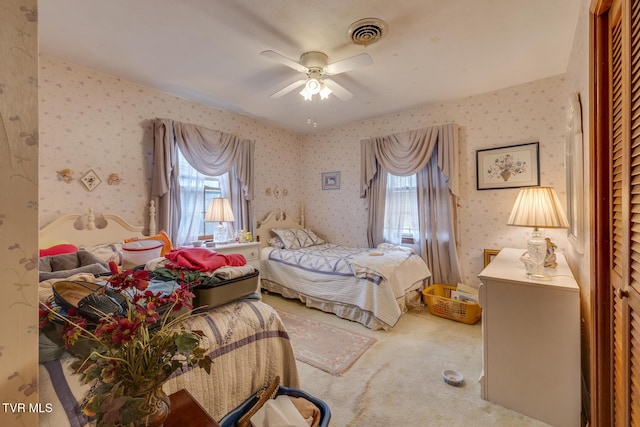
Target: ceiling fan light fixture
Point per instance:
(306, 94)
(313, 86)
(325, 91)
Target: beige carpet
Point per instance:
(322, 345)
(398, 381)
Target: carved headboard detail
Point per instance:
(278, 218)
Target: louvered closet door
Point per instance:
(624, 45)
(627, 299)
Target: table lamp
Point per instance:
(537, 207)
(219, 211)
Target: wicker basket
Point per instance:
(437, 298)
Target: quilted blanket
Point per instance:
(249, 346)
(330, 259)
(367, 285)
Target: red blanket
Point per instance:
(202, 259)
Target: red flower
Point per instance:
(113, 267)
(72, 331)
(148, 312)
(126, 330)
(181, 298)
(138, 279)
(106, 328)
(44, 315)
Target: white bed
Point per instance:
(372, 286)
(247, 340)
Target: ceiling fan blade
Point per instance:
(284, 60)
(338, 90)
(285, 90)
(348, 64)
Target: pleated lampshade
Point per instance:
(219, 211)
(538, 207)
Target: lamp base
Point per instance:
(534, 258)
(220, 234)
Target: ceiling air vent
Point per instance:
(367, 31)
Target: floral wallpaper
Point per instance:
(91, 121)
(19, 211)
(532, 112)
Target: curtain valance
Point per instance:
(408, 152)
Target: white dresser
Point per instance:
(531, 340)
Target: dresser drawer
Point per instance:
(251, 251)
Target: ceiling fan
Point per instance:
(315, 65)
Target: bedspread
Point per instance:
(368, 289)
(249, 346)
(340, 260)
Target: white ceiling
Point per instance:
(209, 50)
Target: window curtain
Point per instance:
(432, 154)
(210, 152)
(191, 200)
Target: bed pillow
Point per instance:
(62, 248)
(65, 265)
(294, 238)
(275, 242)
(91, 268)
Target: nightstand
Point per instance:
(251, 251)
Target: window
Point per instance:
(196, 192)
(401, 210)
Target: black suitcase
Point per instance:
(227, 291)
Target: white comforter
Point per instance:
(370, 285)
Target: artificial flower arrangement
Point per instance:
(133, 353)
(506, 166)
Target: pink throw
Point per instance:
(202, 259)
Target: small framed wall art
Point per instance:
(91, 180)
(508, 167)
(331, 180)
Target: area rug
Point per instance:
(323, 346)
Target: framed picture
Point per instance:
(91, 180)
(489, 254)
(331, 180)
(508, 167)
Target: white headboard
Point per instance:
(81, 229)
(276, 219)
